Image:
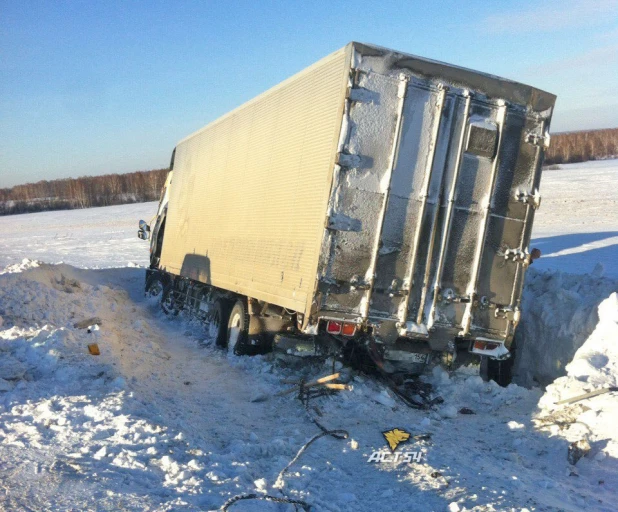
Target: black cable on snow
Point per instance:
(304, 396)
(264, 497)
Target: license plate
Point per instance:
(405, 356)
(417, 357)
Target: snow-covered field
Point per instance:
(92, 238)
(162, 420)
(576, 227)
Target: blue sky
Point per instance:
(96, 87)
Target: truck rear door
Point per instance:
(472, 171)
(433, 206)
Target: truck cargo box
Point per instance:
(374, 186)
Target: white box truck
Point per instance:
(376, 199)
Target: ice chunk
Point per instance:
(384, 398)
(5, 385)
(11, 368)
(448, 411)
(261, 484)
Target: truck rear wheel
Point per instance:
(238, 329)
(499, 371)
(217, 319)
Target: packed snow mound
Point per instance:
(596, 362)
(559, 312)
(67, 415)
(465, 389)
(25, 264)
(594, 367)
(588, 423)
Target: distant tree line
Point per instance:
(84, 192)
(141, 186)
(582, 146)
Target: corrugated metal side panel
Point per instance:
(250, 191)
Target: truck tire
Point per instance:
(238, 329)
(169, 303)
(155, 286)
(501, 372)
(217, 320)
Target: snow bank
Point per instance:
(25, 264)
(595, 366)
(559, 313)
(465, 389)
(67, 416)
(596, 362)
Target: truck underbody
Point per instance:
(266, 327)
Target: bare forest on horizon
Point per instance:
(84, 192)
(142, 186)
(570, 147)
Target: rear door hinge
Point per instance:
(358, 283)
(362, 95)
(508, 312)
(538, 140)
(532, 198)
(350, 161)
(448, 296)
(516, 255)
(341, 222)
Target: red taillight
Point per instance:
(348, 329)
(345, 328)
(485, 345)
(333, 327)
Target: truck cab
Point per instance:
(154, 231)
